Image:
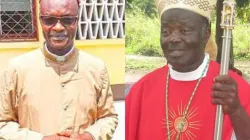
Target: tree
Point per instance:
(241, 3)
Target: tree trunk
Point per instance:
(219, 34)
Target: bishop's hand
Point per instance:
(225, 93)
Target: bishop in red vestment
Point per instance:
(178, 101)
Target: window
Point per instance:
(18, 20)
(101, 19)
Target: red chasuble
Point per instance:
(146, 107)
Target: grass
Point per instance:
(143, 63)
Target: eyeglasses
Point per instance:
(52, 20)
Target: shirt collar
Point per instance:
(193, 75)
(57, 58)
(71, 55)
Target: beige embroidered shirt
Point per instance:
(39, 97)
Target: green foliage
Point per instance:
(244, 12)
(146, 6)
(143, 29)
(241, 40)
(142, 34)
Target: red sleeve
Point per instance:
(132, 111)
